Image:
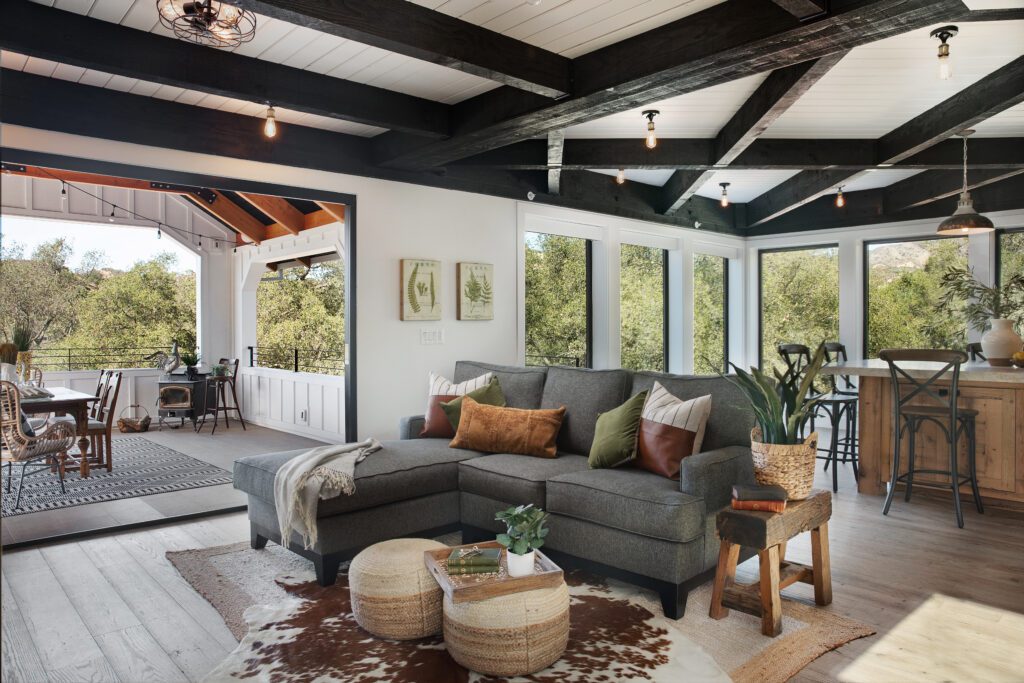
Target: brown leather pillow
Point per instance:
(436, 424)
(670, 430)
(508, 430)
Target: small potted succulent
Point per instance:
(526, 533)
(190, 359)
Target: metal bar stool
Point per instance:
(221, 404)
(844, 386)
(944, 412)
(833, 405)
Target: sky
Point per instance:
(122, 246)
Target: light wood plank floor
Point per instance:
(112, 608)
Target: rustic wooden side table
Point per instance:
(768, 533)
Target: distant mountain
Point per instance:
(889, 261)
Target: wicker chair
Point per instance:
(39, 452)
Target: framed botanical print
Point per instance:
(475, 284)
(420, 289)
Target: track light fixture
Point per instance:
(620, 178)
(725, 195)
(944, 33)
(270, 127)
(840, 199)
(651, 140)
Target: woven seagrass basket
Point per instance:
(790, 466)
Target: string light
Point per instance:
(270, 127)
(620, 178)
(111, 213)
(725, 195)
(651, 141)
(840, 199)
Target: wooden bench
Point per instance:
(768, 533)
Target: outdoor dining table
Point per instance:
(74, 403)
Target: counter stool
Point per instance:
(944, 412)
(220, 404)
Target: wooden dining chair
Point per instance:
(101, 425)
(35, 452)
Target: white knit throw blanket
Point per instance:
(318, 474)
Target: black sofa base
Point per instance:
(673, 595)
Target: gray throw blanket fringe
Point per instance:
(319, 474)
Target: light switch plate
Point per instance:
(430, 336)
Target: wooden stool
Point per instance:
(768, 533)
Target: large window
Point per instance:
(799, 299)
(710, 313)
(642, 278)
(300, 319)
(557, 300)
(1011, 255)
(902, 287)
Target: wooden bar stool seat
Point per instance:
(221, 404)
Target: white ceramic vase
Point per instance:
(1000, 342)
(520, 565)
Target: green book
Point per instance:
(487, 557)
(473, 569)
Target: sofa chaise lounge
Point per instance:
(626, 523)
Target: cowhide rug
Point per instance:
(294, 631)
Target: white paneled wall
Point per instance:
(297, 402)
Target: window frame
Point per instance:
(760, 286)
(999, 250)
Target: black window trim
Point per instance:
(999, 250)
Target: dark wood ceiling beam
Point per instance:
(38, 31)
(803, 9)
(769, 101)
(415, 31)
(556, 143)
(932, 186)
(1009, 14)
(279, 209)
(720, 44)
(983, 99)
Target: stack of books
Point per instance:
(474, 561)
(760, 498)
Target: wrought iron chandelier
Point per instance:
(965, 220)
(208, 22)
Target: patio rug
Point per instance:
(141, 468)
(291, 630)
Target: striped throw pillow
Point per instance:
(670, 430)
(436, 424)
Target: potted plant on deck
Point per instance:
(997, 309)
(526, 533)
(782, 409)
(21, 337)
(190, 359)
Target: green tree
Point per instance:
(556, 299)
(1011, 255)
(709, 289)
(641, 307)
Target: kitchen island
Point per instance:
(996, 393)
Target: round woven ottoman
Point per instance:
(511, 635)
(393, 594)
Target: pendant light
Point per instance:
(965, 220)
(651, 141)
(620, 177)
(944, 33)
(725, 195)
(840, 199)
(270, 127)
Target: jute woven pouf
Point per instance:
(511, 635)
(393, 594)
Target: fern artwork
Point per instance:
(475, 283)
(420, 289)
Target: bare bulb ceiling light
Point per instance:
(965, 220)
(270, 127)
(725, 195)
(944, 33)
(533, 3)
(840, 199)
(651, 140)
(620, 177)
(207, 22)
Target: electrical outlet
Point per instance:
(303, 416)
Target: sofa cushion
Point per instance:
(522, 386)
(399, 471)
(515, 479)
(508, 430)
(731, 415)
(586, 394)
(628, 499)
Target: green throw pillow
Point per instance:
(615, 434)
(489, 395)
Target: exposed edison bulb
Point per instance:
(724, 201)
(652, 139)
(270, 127)
(945, 64)
(620, 178)
(840, 199)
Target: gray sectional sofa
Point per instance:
(626, 523)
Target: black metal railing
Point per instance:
(95, 358)
(329, 361)
(541, 359)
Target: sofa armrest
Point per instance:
(711, 475)
(410, 427)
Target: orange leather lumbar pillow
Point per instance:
(508, 430)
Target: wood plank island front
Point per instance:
(996, 393)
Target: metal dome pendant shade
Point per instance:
(965, 220)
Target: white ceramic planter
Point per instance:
(520, 565)
(1000, 342)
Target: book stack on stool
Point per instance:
(771, 498)
(474, 560)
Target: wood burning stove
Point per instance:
(184, 399)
